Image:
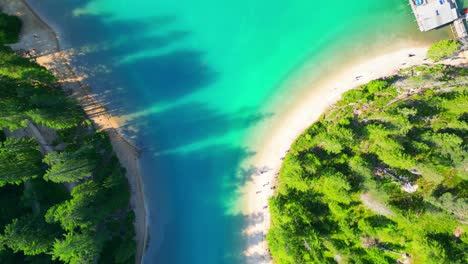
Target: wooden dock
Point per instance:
(459, 28)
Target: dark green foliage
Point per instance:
(341, 190)
(455, 249)
(7, 256)
(44, 193)
(40, 221)
(121, 249)
(28, 92)
(30, 234)
(10, 27)
(83, 210)
(76, 248)
(10, 198)
(20, 160)
(71, 166)
(12, 114)
(23, 71)
(40, 259)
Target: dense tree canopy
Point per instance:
(381, 177)
(29, 92)
(76, 248)
(20, 160)
(70, 166)
(30, 234)
(40, 220)
(10, 27)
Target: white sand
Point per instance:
(281, 130)
(276, 137)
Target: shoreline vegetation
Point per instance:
(329, 185)
(40, 42)
(307, 110)
(55, 170)
(381, 177)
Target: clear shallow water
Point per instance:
(193, 77)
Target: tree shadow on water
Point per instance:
(134, 62)
(197, 172)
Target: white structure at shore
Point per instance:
(433, 14)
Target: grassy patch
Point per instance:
(442, 49)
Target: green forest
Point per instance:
(65, 202)
(381, 177)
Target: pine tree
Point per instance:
(20, 160)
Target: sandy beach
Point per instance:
(276, 137)
(40, 41)
(271, 139)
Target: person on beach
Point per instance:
(264, 170)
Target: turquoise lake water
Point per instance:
(195, 76)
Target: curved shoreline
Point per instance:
(284, 128)
(39, 37)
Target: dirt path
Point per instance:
(40, 39)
